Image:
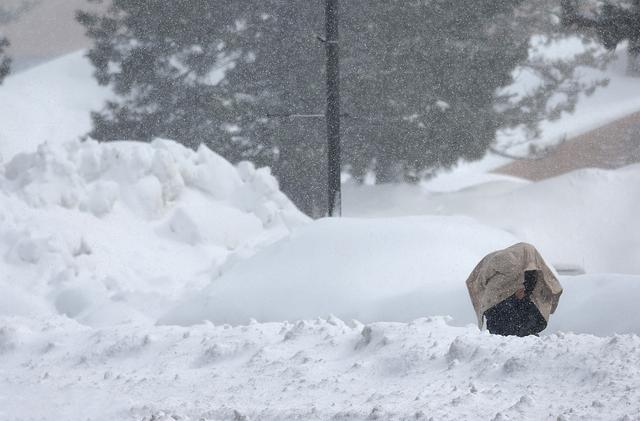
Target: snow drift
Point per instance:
(99, 241)
(584, 218)
(112, 232)
(378, 269)
(128, 231)
(317, 369)
(401, 268)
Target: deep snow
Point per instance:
(585, 218)
(88, 268)
(312, 370)
(98, 243)
(392, 269)
(106, 233)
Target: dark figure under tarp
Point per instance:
(517, 315)
(514, 290)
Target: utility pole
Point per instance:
(333, 108)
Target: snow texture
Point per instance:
(104, 248)
(108, 233)
(317, 369)
(585, 218)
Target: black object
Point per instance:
(333, 108)
(517, 317)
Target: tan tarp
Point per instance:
(501, 273)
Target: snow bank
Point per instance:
(106, 233)
(587, 217)
(584, 218)
(121, 232)
(377, 269)
(602, 304)
(317, 369)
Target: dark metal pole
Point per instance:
(333, 108)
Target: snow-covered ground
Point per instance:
(322, 369)
(152, 282)
(283, 318)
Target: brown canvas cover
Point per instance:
(501, 273)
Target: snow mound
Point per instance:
(376, 269)
(585, 217)
(106, 233)
(396, 269)
(581, 219)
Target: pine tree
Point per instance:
(613, 23)
(159, 58)
(419, 82)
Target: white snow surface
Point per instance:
(107, 233)
(332, 319)
(392, 269)
(404, 267)
(583, 218)
(50, 102)
(317, 369)
(106, 249)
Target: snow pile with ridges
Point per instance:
(313, 370)
(113, 232)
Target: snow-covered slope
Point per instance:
(118, 232)
(51, 102)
